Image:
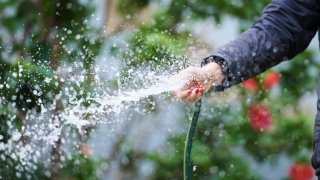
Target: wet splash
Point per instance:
(41, 131)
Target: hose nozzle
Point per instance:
(190, 85)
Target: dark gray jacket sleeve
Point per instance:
(285, 29)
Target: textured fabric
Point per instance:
(285, 29)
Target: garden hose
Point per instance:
(190, 85)
(189, 141)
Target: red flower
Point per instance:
(259, 117)
(301, 172)
(271, 79)
(251, 85)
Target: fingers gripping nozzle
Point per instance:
(190, 85)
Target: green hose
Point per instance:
(189, 140)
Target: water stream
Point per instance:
(42, 130)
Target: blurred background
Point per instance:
(55, 54)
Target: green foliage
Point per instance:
(159, 49)
(13, 169)
(219, 137)
(29, 85)
(127, 7)
(208, 161)
(290, 136)
(37, 37)
(81, 168)
(299, 77)
(5, 114)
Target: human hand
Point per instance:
(199, 81)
